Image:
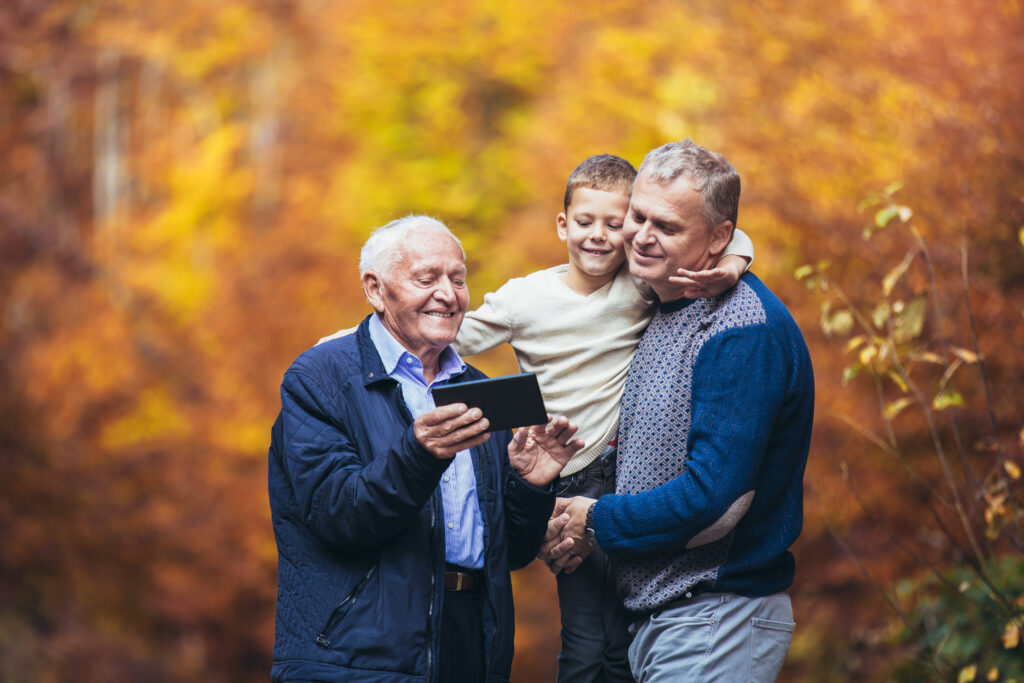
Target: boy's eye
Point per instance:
(583, 224)
(613, 226)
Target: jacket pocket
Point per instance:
(339, 612)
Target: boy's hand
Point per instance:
(707, 283)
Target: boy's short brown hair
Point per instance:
(601, 172)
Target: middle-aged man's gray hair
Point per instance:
(711, 174)
(383, 248)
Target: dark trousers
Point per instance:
(462, 638)
(595, 636)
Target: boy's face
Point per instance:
(592, 230)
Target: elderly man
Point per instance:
(713, 438)
(396, 522)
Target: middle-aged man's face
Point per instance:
(423, 298)
(665, 230)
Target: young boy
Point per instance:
(576, 326)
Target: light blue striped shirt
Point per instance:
(464, 528)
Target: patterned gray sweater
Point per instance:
(715, 429)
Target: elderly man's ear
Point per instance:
(373, 288)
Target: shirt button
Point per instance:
(451, 525)
(446, 479)
(689, 594)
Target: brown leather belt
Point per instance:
(459, 579)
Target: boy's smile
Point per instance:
(592, 231)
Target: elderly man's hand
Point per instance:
(449, 429)
(539, 453)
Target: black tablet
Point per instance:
(507, 402)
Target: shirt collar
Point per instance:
(392, 353)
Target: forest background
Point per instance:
(185, 187)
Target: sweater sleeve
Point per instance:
(728, 437)
(740, 245)
(487, 326)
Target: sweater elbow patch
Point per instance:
(724, 524)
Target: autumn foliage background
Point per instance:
(185, 185)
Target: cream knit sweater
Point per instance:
(579, 346)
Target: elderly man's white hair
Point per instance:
(383, 248)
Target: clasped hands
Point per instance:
(565, 544)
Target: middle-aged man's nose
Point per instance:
(644, 234)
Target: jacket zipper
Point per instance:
(430, 608)
(337, 613)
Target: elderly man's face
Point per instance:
(423, 298)
(665, 230)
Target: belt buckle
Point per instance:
(459, 576)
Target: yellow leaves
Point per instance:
(993, 674)
(947, 399)
(156, 416)
(909, 322)
(896, 273)
(1012, 469)
(236, 32)
(867, 354)
(965, 355)
(839, 322)
(855, 342)
(1011, 634)
(967, 674)
(176, 251)
(894, 408)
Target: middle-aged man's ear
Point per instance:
(373, 289)
(721, 235)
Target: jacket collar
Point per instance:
(371, 365)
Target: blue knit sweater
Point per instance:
(714, 434)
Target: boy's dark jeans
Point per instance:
(595, 638)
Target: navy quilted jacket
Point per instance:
(358, 526)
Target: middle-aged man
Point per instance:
(397, 522)
(713, 439)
